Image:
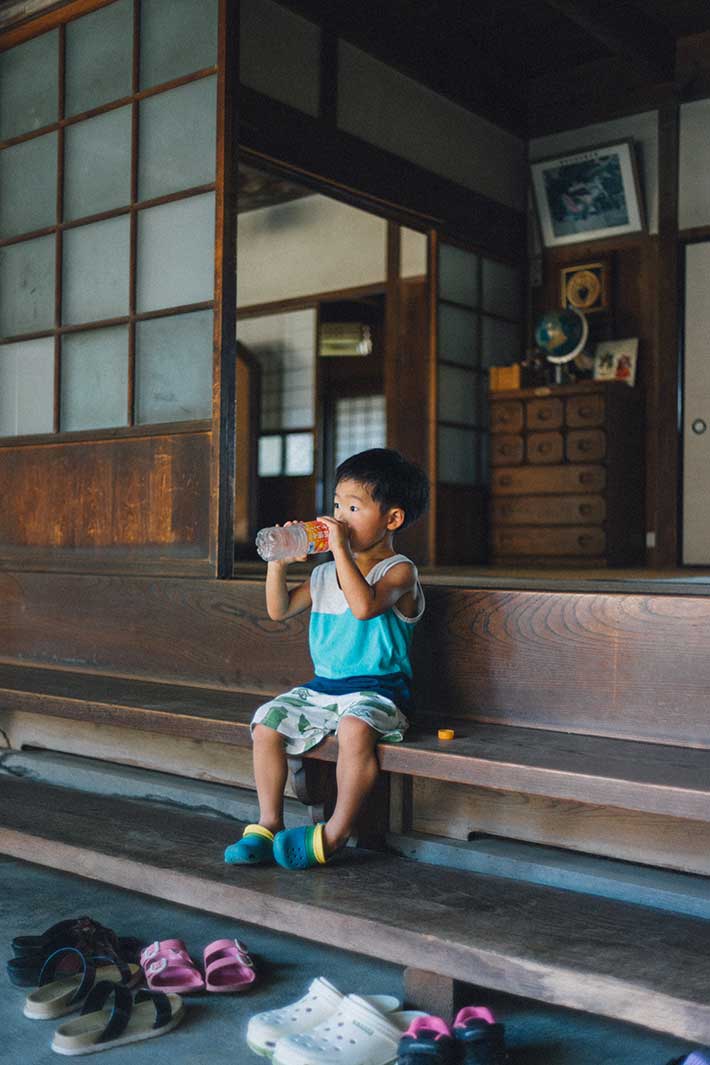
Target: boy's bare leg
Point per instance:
(270, 773)
(356, 774)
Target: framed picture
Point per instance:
(615, 360)
(585, 287)
(588, 195)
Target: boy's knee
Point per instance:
(262, 734)
(356, 732)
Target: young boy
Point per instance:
(364, 606)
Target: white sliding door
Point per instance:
(696, 407)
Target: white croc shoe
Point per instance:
(321, 1001)
(357, 1034)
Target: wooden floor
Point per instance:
(610, 958)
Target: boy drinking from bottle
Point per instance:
(364, 606)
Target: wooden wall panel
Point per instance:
(194, 631)
(145, 495)
(628, 666)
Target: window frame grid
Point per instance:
(480, 428)
(131, 209)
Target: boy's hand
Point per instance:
(287, 561)
(338, 532)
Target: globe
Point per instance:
(562, 334)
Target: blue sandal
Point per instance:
(300, 848)
(256, 847)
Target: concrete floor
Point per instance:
(32, 898)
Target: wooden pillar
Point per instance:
(665, 443)
(437, 995)
(223, 452)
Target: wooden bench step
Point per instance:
(649, 777)
(617, 960)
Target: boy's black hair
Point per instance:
(393, 481)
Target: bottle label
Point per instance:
(317, 533)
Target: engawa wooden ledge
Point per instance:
(614, 959)
(632, 775)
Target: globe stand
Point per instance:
(562, 335)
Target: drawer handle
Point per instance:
(506, 480)
(585, 508)
(543, 415)
(584, 445)
(586, 412)
(583, 541)
(586, 478)
(542, 449)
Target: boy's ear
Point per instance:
(396, 519)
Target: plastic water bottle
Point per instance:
(279, 542)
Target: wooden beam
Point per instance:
(650, 47)
(468, 78)
(595, 92)
(223, 453)
(373, 179)
(666, 381)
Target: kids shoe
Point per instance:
(357, 1034)
(428, 1041)
(697, 1057)
(256, 847)
(321, 1001)
(169, 968)
(228, 966)
(480, 1040)
(300, 848)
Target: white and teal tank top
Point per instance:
(349, 654)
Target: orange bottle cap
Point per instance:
(446, 733)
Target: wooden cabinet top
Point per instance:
(617, 388)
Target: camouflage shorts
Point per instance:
(305, 717)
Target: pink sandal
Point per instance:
(169, 968)
(228, 966)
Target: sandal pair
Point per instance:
(169, 968)
(473, 1037)
(84, 933)
(60, 992)
(129, 1019)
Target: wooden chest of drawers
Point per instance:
(567, 475)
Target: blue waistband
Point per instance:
(394, 686)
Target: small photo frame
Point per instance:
(588, 195)
(585, 287)
(615, 360)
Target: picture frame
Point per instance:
(615, 360)
(588, 195)
(586, 287)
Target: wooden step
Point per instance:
(633, 775)
(617, 960)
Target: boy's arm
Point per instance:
(280, 602)
(366, 600)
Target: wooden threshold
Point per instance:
(632, 775)
(614, 959)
